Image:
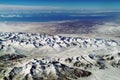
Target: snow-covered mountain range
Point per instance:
(37, 40)
(34, 56)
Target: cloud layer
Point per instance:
(15, 7)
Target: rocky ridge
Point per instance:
(44, 69)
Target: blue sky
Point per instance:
(68, 4)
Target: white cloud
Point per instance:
(16, 7)
(9, 16)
